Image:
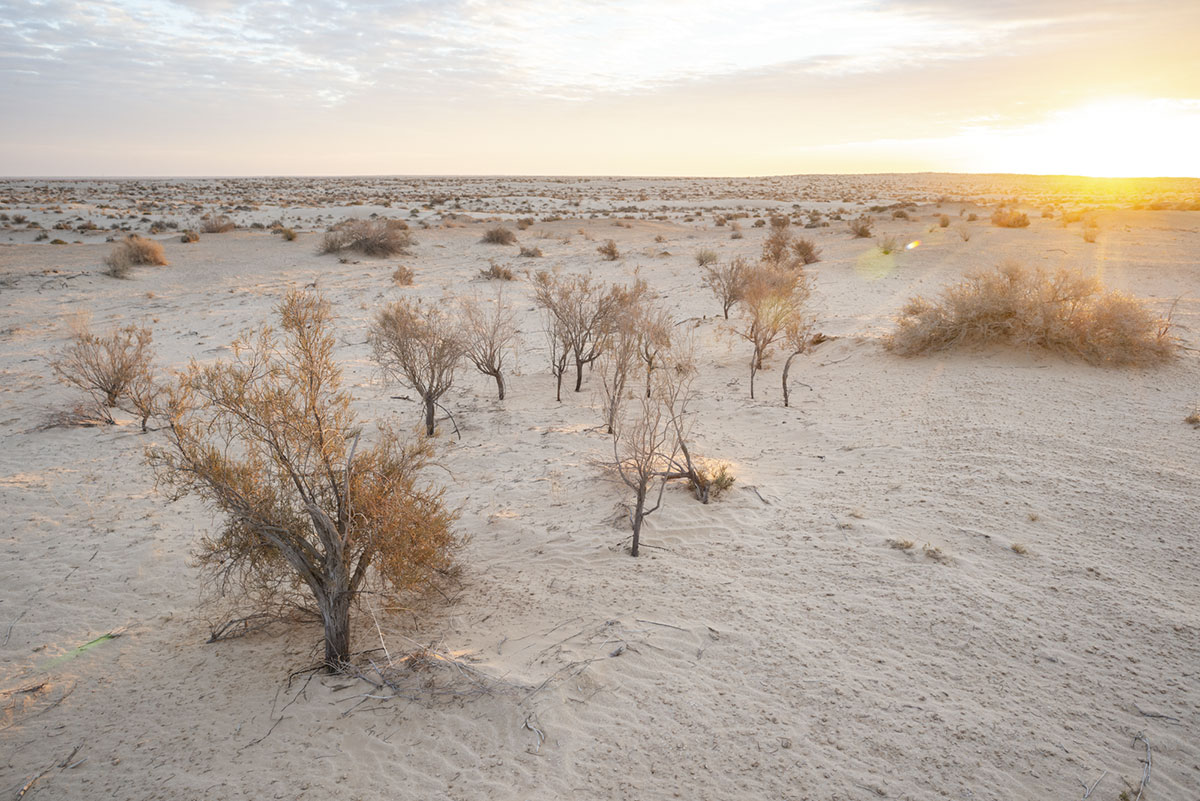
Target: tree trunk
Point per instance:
(429, 424)
(786, 366)
(578, 375)
(500, 385)
(639, 512)
(335, 612)
(753, 370)
(558, 386)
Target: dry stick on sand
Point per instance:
(1145, 764)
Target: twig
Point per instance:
(1145, 764)
(8, 633)
(31, 782)
(1143, 713)
(656, 623)
(1089, 790)
(452, 420)
(540, 734)
(754, 489)
(265, 736)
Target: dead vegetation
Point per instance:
(374, 238)
(311, 516)
(489, 330)
(112, 368)
(419, 345)
(1063, 311)
(133, 251)
(499, 235)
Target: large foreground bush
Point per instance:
(311, 516)
(1063, 311)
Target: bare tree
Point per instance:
(655, 327)
(489, 333)
(583, 311)
(617, 365)
(642, 454)
(560, 350)
(270, 441)
(797, 339)
(419, 345)
(727, 281)
(772, 299)
(107, 366)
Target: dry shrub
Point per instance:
(609, 251)
(403, 276)
(531, 252)
(964, 231)
(1193, 418)
(490, 334)
(216, 225)
(311, 516)
(776, 245)
(1063, 311)
(727, 281)
(420, 346)
(368, 237)
(524, 222)
(287, 233)
(1090, 234)
(110, 367)
(806, 251)
(132, 251)
(887, 244)
(943, 220)
(497, 272)
(189, 236)
(861, 228)
(499, 236)
(773, 301)
(1010, 218)
(705, 257)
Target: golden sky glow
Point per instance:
(208, 87)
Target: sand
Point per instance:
(772, 644)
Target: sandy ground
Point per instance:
(768, 645)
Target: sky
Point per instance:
(612, 87)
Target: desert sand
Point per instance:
(772, 644)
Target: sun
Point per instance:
(1113, 137)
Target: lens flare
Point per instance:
(913, 245)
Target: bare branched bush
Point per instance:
(964, 231)
(1062, 311)
(772, 301)
(109, 367)
(777, 246)
(806, 251)
(642, 456)
(489, 331)
(420, 346)
(861, 227)
(499, 235)
(311, 517)
(609, 251)
(133, 251)
(727, 281)
(1010, 218)
(655, 328)
(403, 276)
(618, 363)
(496, 272)
(585, 313)
(797, 340)
(368, 237)
(887, 244)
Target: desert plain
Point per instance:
(965, 575)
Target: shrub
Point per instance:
(943, 220)
(58, 241)
(972, 217)
(773, 301)
(780, 221)
(189, 236)
(496, 272)
(1009, 218)
(499, 236)
(489, 334)
(1089, 234)
(403, 276)
(861, 228)
(735, 231)
(270, 441)
(705, 257)
(900, 214)
(216, 225)
(806, 250)
(775, 246)
(964, 231)
(421, 346)
(726, 281)
(1064, 311)
(108, 367)
(887, 244)
(524, 222)
(368, 237)
(133, 251)
(531, 252)
(609, 251)
(287, 233)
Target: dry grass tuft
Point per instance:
(368, 237)
(861, 228)
(131, 252)
(1010, 218)
(1065, 312)
(806, 250)
(499, 236)
(531, 252)
(1193, 419)
(403, 276)
(496, 272)
(609, 251)
(217, 225)
(189, 236)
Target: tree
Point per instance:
(642, 454)
(419, 345)
(727, 281)
(654, 338)
(617, 364)
(772, 299)
(489, 334)
(798, 338)
(269, 440)
(583, 313)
